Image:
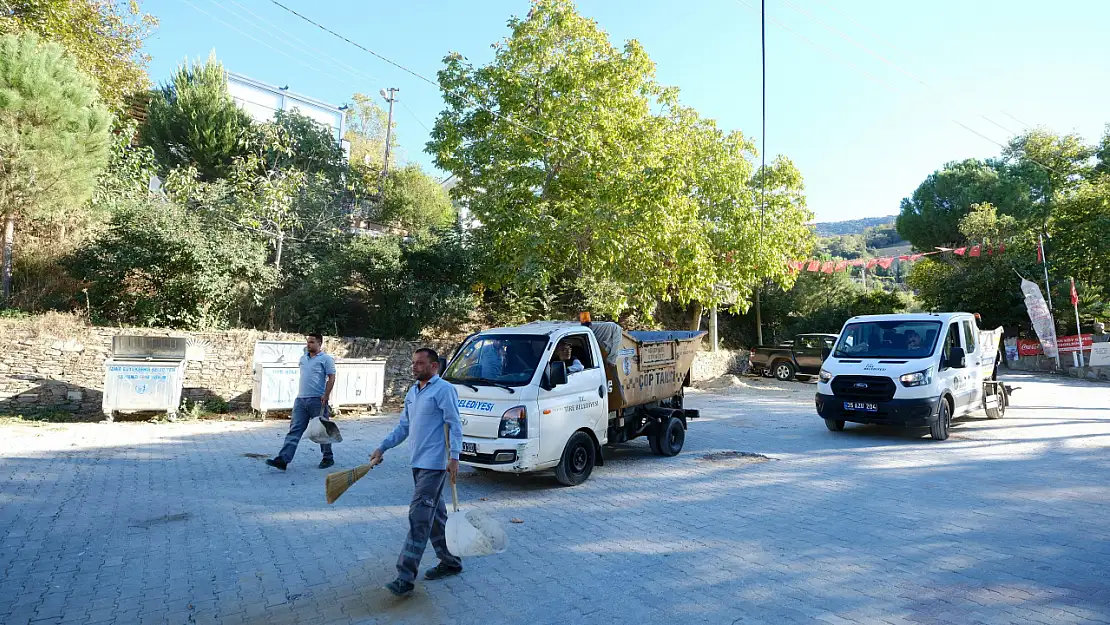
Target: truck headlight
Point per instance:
(514, 423)
(825, 377)
(918, 378)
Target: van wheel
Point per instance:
(834, 425)
(578, 460)
(939, 430)
(783, 371)
(669, 442)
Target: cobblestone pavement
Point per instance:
(1007, 522)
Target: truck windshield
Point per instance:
(888, 339)
(497, 360)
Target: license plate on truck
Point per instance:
(470, 448)
(860, 406)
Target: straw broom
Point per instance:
(337, 483)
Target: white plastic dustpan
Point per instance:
(471, 533)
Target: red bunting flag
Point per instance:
(840, 266)
(814, 265)
(1074, 295)
(885, 263)
(916, 257)
(960, 251)
(871, 263)
(1040, 252)
(828, 267)
(975, 251)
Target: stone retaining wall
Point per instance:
(64, 370)
(53, 363)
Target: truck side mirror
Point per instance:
(957, 359)
(557, 373)
(442, 365)
(825, 353)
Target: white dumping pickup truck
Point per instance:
(529, 404)
(911, 370)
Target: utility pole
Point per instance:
(391, 98)
(763, 165)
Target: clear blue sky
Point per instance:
(861, 146)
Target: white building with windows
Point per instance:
(262, 101)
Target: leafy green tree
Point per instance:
(414, 201)
(293, 140)
(1048, 165)
(387, 287)
(105, 36)
(1081, 246)
(193, 122)
(54, 136)
(366, 130)
(159, 264)
(931, 216)
(988, 285)
(576, 180)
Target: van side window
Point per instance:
(951, 340)
(969, 337)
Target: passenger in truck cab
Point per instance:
(564, 353)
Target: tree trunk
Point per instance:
(694, 319)
(9, 242)
(277, 255)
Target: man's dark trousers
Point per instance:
(304, 409)
(427, 519)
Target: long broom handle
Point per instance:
(447, 444)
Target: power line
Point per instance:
(430, 81)
(893, 89)
(406, 107)
(878, 56)
(325, 56)
(892, 46)
(252, 37)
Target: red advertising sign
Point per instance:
(1071, 343)
(1065, 344)
(1029, 348)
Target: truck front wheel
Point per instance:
(578, 460)
(834, 425)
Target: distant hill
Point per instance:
(854, 226)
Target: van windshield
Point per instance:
(888, 339)
(509, 360)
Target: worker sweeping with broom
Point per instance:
(430, 404)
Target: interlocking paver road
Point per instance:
(1007, 522)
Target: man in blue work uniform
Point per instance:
(317, 380)
(429, 404)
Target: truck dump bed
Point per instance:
(645, 367)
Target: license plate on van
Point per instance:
(470, 448)
(860, 406)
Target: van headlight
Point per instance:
(825, 377)
(918, 378)
(514, 423)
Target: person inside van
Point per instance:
(564, 353)
(913, 341)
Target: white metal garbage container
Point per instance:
(359, 382)
(277, 375)
(145, 373)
